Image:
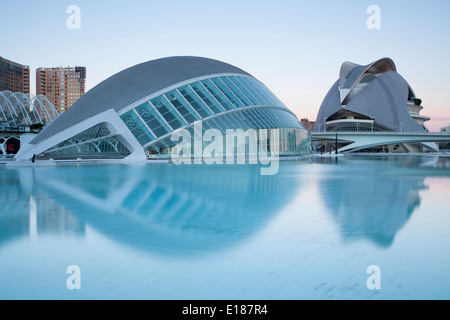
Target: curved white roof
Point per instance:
(133, 84)
(383, 99)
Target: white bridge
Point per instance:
(363, 140)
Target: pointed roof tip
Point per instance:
(351, 72)
(388, 63)
(348, 66)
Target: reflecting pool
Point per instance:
(160, 231)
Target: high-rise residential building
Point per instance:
(62, 86)
(14, 76)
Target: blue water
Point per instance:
(203, 232)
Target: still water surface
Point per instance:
(225, 232)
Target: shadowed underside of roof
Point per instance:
(351, 72)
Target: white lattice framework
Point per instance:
(4, 138)
(20, 110)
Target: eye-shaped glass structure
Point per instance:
(133, 114)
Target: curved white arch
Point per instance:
(18, 109)
(26, 102)
(41, 110)
(46, 108)
(2, 109)
(12, 115)
(351, 74)
(12, 99)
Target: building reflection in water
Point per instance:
(28, 211)
(185, 210)
(375, 204)
(162, 208)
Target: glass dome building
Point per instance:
(132, 114)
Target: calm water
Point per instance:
(203, 232)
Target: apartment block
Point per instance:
(14, 76)
(62, 86)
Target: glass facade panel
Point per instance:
(168, 112)
(251, 95)
(206, 97)
(294, 139)
(180, 104)
(236, 91)
(217, 94)
(136, 127)
(109, 148)
(93, 143)
(194, 101)
(152, 119)
(247, 83)
(230, 96)
(251, 83)
(270, 97)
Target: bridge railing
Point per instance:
(381, 133)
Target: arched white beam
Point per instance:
(25, 119)
(114, 124)
(2, 110)
(40, 110)
(26, 102)
(379, 66)
(12, 115)
(49, 107)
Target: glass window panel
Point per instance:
(265, 119)
(246, 82)
(230, 96)
(246, 121)
(236, 121)
(252, 120)
(236, 91)
(206, 97)
(270, 96)
(217, 94)
(152, 119)
(183, 108)
(269, 116)
(262, 91)
(245, 89)
(252, 84)
(143, 139)
(198, 105)
(228, 124)
(136, 127)
(168, 112)
(219, 123)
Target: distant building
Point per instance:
(62, 86)
(308, 124)
(373, 98)
(14, 76)
(445, 146)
